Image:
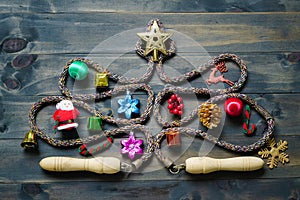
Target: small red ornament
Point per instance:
(175, 104)
(173, 138)
(234, 106)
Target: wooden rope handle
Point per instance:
(100, 165)
(204, 165)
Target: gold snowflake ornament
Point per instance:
(275, 152)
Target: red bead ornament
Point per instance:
(175, 105)
(234, 106)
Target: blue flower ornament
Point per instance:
(128, 106)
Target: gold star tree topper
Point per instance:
(155, 40)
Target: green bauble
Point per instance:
(78, 70)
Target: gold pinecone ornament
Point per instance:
(209, 114)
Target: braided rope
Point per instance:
(163, 76)
(141, 119)
(203, 68)
(79, 99)
(79, 141)
(115, 77)
(221, 143)
(170, 90)
(73, 142)
(153, 144)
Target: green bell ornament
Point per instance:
(78, 70)
(94, 123)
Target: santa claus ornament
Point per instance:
(65, 115)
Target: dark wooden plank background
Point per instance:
(265, 33)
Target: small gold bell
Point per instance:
(209, 114)
(29, 141)
(101, 80)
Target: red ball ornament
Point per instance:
(175, 112)
(234, 106)
(181, 106)
(174, 97)
(175, 105)
(179, 99)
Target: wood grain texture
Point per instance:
(200, 189)
(149, 6)
(81, 33)
(222, 189)
(268, 73)
(265, 34)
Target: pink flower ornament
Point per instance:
(131, 146)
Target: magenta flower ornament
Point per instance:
(132, 146)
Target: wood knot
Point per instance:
(23, 60)
(32, 189)
(293, 57)
(11, 83)
(12, 45)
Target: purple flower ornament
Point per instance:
(131, 146)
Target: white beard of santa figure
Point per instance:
(65, 115)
